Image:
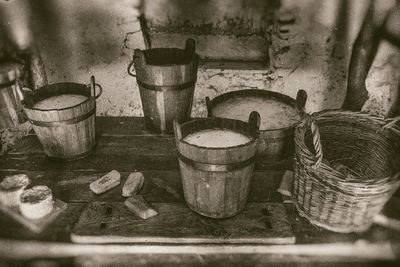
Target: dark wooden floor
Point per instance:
(124, 145)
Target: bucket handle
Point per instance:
(93, 86)
(177, 131)
(254, 121)
(139, 58)
(190, 47)
(301, 100)
(209, 107)
(309, 121)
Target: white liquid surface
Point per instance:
(216, 138)
(274, 114)
(60, 101)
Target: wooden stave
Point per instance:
(160, 120)
(61, 138)
(228, 201)
(193, 178)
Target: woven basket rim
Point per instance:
(361, 117)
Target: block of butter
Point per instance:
(105, 183)
(139, 206)
(133, 184)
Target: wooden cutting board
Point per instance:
(35, 225)
(112, 222)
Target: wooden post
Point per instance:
(363, 54)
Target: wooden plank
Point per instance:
(159, 186)
(234, 259)
(340, 251)
(35, 225)
(307, 233)
(110, 145)
(59, 230)
(112, 222)
(123, 153)
(122, 162)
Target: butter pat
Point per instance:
(133, 184)
(140, 207)
(105, 183)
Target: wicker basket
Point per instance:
(368, 145)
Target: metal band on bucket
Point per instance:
(166, 87)
(63, 122)
(215, 167)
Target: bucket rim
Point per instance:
(188, 60)
(89, 98)
(253, 138)
(258, 92)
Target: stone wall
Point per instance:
(81, 38)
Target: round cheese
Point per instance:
(36, 202)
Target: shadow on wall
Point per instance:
(81, 31)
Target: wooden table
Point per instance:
(124, 145)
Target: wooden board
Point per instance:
(159, 186)
(112, 222)
(35, 225)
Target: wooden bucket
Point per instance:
(166, 79)
(216, 181)
(11, 114)
(274, 144)
(68, 133)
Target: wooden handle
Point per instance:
(177, 131)
(190, 46)
(93, 86)
(254, 120)
(209, 107)
(301, 100)
(139, 57)
(316, 139)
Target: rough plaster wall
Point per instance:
(383, 80)
(95, 37)
(305, 61)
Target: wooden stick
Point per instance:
(36, 249)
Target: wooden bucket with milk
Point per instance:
(166, 79)
(63, 117)
(279, 116)
(216, 159)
